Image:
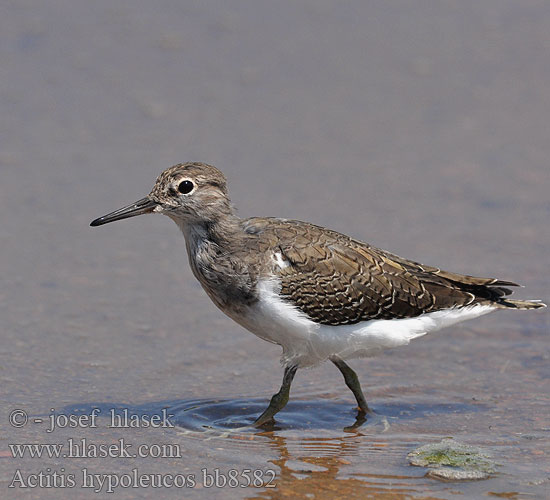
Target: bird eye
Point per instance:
(185, 187)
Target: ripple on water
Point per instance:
(303, 420)
(234, 418)
(304, 417)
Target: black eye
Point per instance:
(185, 187)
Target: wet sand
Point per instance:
(419, 127)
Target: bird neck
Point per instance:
(213, 251)
(221, 232)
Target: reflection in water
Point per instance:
(312, 446)
(315, 471)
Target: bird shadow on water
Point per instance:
(238, 415)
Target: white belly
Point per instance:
(306, 343)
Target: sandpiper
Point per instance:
(319, 294)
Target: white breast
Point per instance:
(306, 343)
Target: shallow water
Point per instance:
(421, 128)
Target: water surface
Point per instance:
(421, 128)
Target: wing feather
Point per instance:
(337, 280)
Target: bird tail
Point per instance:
(520, 304)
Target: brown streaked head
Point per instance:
(187, 192)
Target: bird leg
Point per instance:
(353, 383)
(279, 400)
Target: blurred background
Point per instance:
(420, 127)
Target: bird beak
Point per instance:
(144, 206)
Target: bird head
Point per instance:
(187, 193)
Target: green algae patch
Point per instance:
(451, 460)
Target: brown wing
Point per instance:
(337, 280)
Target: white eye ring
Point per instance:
(186, 186)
